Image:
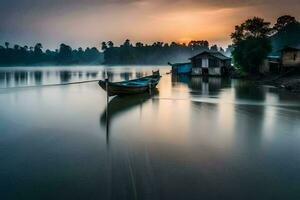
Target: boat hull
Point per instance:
(122, 89)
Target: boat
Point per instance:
(135, 86)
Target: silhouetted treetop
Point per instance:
(284, 21)
(156, 53)
(19, 55)
(103, 46)
(110, 44)
(255, 27)
(251, 44)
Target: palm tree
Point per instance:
(110, 44)
(103, 46)
(38, 46)
(7, 44)
(16, 47)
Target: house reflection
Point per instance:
(202, 85)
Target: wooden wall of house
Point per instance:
(215, 66)
(291, 58)
(196, 71)
(216, 71)
(213, 62)
(227, 63)
(264, 67)
(197, 62)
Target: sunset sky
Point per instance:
(88, 22)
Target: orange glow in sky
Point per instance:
(89, 22)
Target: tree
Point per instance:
(158, 44)
(251, 44)
(7, 44)
(139, 45)
(38, 49)
(16, 47)
(284, 21)
(103, 46)
(198, 44)
(214, 48)
(255, 27)
(127, 43)
(65, 54)
(250, 53)
(110, 44)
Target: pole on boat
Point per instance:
(107, 107)
(106, 88)
(150, 87)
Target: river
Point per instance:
(193, 138)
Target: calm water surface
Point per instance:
(194, 138)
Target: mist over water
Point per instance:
(193, 138)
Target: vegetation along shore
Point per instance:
(259, 51)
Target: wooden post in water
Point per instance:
(106, 88)
(107, 109)
(149, 88)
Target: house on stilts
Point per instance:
(288, 59)
(210, 63)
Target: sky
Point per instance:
(89, 22)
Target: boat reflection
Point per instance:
(121, 104)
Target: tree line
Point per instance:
(127, 53)
(252, 41)
(156, 53)
(251, 46)
(65, 55)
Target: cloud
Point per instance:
(86, 22)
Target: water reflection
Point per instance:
(121, 104)
(38, 77)
(196, 139)
(126, 76)
(22, 77)
(202, 85)
(248, 90)
(65, 76)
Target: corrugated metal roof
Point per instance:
(292, 47)
(180, 64)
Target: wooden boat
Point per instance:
(136, 86)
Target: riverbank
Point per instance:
(287, 82)
(290, 82)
